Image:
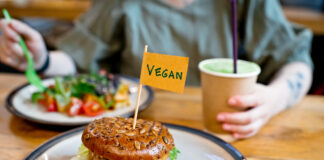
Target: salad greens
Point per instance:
(89, 94)
(61, 95)
(70, 86)
(36, 96)
(83, 153)
(174, 154)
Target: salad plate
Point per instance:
(193, 144)
(19, 103)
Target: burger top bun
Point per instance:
(115, 139)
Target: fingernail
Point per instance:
(220, 117)
(232, 101)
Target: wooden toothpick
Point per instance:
(138, 97)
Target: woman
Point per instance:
(112, 34)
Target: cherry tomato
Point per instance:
(51, 104)
(43, 101)
(52, 107)
(48, 102)
(93, 108)
(74, 107)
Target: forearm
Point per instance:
(60, 64)
(293, 81)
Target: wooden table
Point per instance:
(311, 19)
(58, 9)
(297, 133)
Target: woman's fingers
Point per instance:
(24, 30)
(243, 102)
(15, 28)
(15, 50)
(9, 43)
(11, 54)
(235, 118)
(244, 117)
(3, 47)
(250, 100)
(244, 135)
(9, 61)
(246, 101)
(10, 51)
(252, 129)
(8, 32)
(243, 129)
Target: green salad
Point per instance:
(87, 94)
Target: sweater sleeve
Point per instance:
(97, 35)
(271, 41)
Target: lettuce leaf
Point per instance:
(61, 95)
(37, 96)
(174, 154)
(80, 88)
(83, 153)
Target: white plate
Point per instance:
(193, 145)
(19, 103)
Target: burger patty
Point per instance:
(115, 139)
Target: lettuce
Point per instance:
(174, 154)
(83, 153)
(62, 96)
(37, 96)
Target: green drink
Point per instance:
(226, 66)
(219, 83)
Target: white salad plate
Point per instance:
(19, 103)
(193, 144)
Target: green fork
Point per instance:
(31, 74)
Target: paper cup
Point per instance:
(218, 87)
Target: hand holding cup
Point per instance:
(258, 107)
(219, 84)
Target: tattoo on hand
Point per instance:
(296, 85)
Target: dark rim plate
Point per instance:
(11, 108)
(50, 143)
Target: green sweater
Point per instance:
(112, 34)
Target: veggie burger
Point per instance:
(115, 139)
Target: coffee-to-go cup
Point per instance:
(219, 83)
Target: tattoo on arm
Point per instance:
(296, 85)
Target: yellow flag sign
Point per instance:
(164, 71)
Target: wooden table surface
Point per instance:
(311, 19)
(297, 133)
(58, 9)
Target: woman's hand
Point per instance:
(259, 107)
(10, 51)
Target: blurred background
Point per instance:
(53, 18)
